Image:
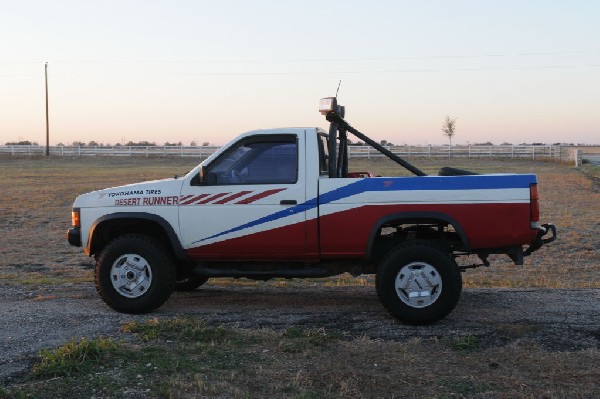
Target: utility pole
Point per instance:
(47, 123)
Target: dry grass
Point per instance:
(37, 195)
(185, 358)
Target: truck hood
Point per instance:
(138, 194)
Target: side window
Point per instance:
(323, 155)
(257, 161)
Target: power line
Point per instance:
(309, 60)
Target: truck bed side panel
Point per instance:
(492, 210)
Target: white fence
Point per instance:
(472, 151)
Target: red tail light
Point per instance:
(534, 203)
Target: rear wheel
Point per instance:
(418, 282)
(135, 274)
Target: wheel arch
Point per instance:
(113, 225)
(415, 218)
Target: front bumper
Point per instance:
(540, 239)
(74, 236)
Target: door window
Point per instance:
(252, 161)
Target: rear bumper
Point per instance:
(541, 239)
(74, 236)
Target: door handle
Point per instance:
(288, 202)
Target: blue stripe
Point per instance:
(474, 182)
(269, 218)
(425, 183)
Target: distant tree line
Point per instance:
(23, 142)
(145, 143)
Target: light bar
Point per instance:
(327, 105)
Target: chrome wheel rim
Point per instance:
(418, 284)
(131, 275)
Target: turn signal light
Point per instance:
(75, 218)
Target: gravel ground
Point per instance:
(555, 319)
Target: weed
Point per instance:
(466, 343)
(73, 357)
(180, 329)
(296, 340)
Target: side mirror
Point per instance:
(206, 178)
(201, 175)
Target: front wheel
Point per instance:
(418, 283)
(135, 274)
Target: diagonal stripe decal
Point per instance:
(258, 196)
(426, 183)
(232, 197)
(193, 199)
(269, 218)
(211, 198)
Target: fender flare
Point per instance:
(431, 216)
(166, 226)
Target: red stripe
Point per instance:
(232, 197)
(511, 223)
(193, 199)
(211, 198)
(289, 243)
(258, 196)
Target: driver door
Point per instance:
(250, 204)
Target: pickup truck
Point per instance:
(282, 203)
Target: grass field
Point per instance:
(184, 357)
(37, 195)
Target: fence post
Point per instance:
(577, 158)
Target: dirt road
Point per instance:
(48, 317)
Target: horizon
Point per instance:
(205, 72)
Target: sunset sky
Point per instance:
(204, 71)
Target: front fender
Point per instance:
(127, 219)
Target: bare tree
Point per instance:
(449, 127)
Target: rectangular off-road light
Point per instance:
(327, 105)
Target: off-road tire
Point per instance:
(417, 257)
(161, 269)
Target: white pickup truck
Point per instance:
(282, 203)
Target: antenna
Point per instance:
(338, 89)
